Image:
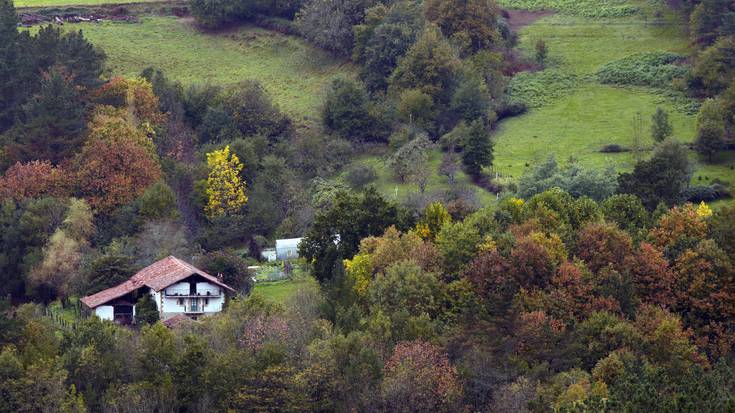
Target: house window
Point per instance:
(180, 301)
(194, 307)
(206, 301)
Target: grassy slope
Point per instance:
(294, 73)
(387, 185)
(280, 291)
(591, 115)
(60, 3)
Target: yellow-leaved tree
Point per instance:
(225, 190)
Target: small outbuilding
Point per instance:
(287, 249)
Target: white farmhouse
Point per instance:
(177, 288)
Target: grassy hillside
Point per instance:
(60, 3)
(387, 184)
(571, 113)
(293, 72)
(280, 291)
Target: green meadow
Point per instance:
(294, 73)
(571, 114)
(66, 3)
(387, 184)
(280, 291)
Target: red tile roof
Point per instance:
(156, 276)
(177, 321)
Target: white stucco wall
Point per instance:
(204, 287)
(206, 304)
(181, 288)
(215, 304)
(156, 296)
(105, 312)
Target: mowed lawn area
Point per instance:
(294, 73)
(578, 117)
(280, 291)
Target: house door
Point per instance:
(193, 305)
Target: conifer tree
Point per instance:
(10, 63)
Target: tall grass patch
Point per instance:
(586, 8)
(537, 89)
(652, 69)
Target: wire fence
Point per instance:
(62, 320)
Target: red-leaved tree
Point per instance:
(34, 179)
(418, 377)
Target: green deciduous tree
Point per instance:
(472, 24)
(429, 65)
(346, 110)
(573, 178)
(328, 23)
(478, 150)
(710, 129)
(471, 99)
(383, 39)
(338, 230)
(660, 125)
(662, 178)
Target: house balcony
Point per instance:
(192, 295)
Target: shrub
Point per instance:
(586, 8)
(652, 69)
(614, 148)
(509, 107)
(707, 193)
(539, 88)
(360, 175)
(328, 23)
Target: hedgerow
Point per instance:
(652, 69)
(586, 8)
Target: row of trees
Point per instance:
(713, 73)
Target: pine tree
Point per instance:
(660, 127)
(710, 129)
(12, 71)
(54, 121)
(225, 190)
(478, 150)
(146, 310)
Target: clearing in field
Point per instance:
(280, 291)
(294, 73)
(387, 184)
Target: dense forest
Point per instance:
(573, 288)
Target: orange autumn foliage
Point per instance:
(680, 222)
(34, 179)
(116, 164)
